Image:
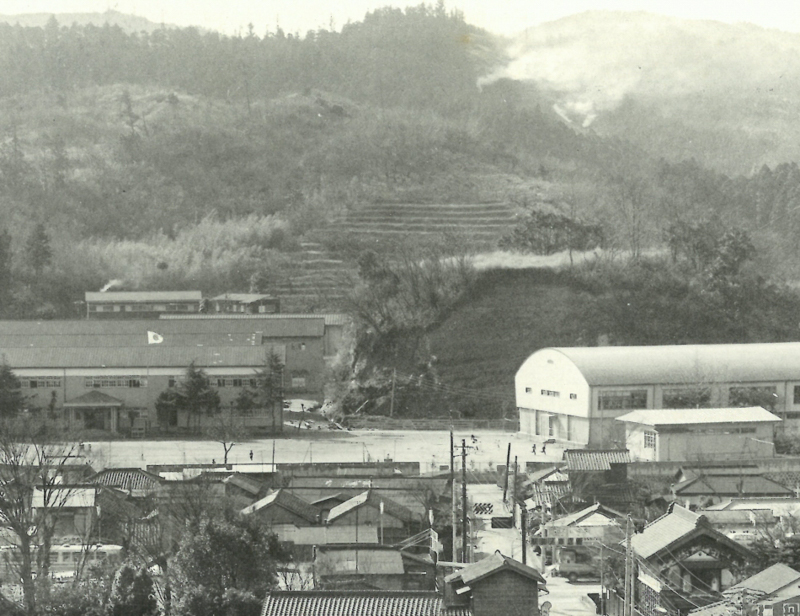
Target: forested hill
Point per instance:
(177, 158)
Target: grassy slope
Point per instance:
(511, 314)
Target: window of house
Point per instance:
(298, 382)
(550, 393)
(573, 396)
(97, 382)
(765, 396)
(649, 440)
(622, 399)
(686, 398)
(528, 390)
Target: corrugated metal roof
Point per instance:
(143, 296)
(357, 603)
(153, 356)
(372, 560)
(691, 363)
(664, 531)
(299, 327)
(131, 479)
(673, 417)
(595, 459)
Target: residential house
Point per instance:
(743, 526)
(372, 567)
(699, 434)
(284, 508)
(370, 509)
(575, 394)
(71, 509)
(600, 475)
(495, 585)
(683, 562)
(715, 486)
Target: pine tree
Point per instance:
(11, 398)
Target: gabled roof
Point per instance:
(674, 527)
(329, 318)
(244, 298)
(243, 482)
(130, 479)
(595, 459)
(370, 498)
(769, 580)
(721, 517)
(579, 516)
(94, 398)
(549, 474)
(492, 564)
(690, 363)
(285, 500)
(720, 608)
(357, 603)
(731, 485)
(678, 417)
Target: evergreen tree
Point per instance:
(11, 398)
(38, 251)
(193, 394)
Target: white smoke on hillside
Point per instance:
(111, 284)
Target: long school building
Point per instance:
(108, 375)
(575, 394)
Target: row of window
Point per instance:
(97, 382)
(551, 393)
(142, 307)
(40, 382)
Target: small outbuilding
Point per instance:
(699, 434)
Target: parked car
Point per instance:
(577, 565)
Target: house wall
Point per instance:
(702, 442)
(367, 516)
(507, 593)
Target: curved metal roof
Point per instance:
(691, 363)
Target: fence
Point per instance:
(372, 422)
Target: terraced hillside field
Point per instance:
(484, 222)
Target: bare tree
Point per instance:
(227, 428)
(34, 488)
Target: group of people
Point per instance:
(544, 448)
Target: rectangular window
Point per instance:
(97, 382)
(765, 396)
(797, 394)
(298, 382)
(620, 400)
(573, 396)
(527, 390)
(38, 382)
(650, 440)
(550, 393)
(686, 398)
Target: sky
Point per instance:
(500, 16)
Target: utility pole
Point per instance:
(508, 468)
(454, 520)
(628, 605)
(523, 517)
(391, 400)
(465, 529)
(602, 581)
